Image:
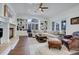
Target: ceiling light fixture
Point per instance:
(42, 7)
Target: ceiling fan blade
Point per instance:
(42, 10)
(44, 7)
(40, 5)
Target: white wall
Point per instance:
(67, 15)
(38, 17)
(0, 9)
(70, 13)
(22, 33)
(5, 26)
(6, 23)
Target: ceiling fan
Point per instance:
(41, 7)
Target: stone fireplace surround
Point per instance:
(9, 39)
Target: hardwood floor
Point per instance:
(77, 53)
(21, 47)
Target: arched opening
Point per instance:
(33, 24)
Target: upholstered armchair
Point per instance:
(74, 44)
(72, 41)
(76, 35)
(75, 41)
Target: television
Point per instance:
(1, 32)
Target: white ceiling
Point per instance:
(32, 8)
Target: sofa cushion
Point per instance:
(68, 36)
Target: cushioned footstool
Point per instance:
(54, 44)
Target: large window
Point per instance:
(63, 26)
(33, 24)
(53, 25)
(57, 26)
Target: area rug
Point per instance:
(36, 48)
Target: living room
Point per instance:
(41, 24)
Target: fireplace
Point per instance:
(11, 33)
(1, 32)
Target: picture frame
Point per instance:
(75, 20)
(44, 25)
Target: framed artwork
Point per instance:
(75, 20)
(21, 24)
(44, 25)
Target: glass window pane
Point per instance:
(53, 25)
(36, 26)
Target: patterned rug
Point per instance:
(36, 48)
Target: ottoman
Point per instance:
(54, 44)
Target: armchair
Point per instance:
(72, 41)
